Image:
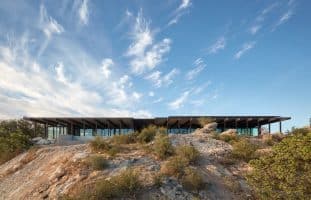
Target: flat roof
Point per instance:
(170, 121)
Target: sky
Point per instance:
(155, 58)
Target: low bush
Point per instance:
(113, 151)
(229, 138)
(99, 144)
(13, 144)
(300, 131)
(162, 146)
(148, 134)
(97, 162)
(232, 184)
(125, 184)
(285, 173)
(190, 153)
(244, 150)
(175, 166)
(192, 180)
(124, 138)
(157, 179)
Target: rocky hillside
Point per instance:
(53, 171)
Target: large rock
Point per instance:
(231, 132)
(209, 128)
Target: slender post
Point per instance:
(96, 128)
(269, 128)
(35, 129)
(224, 124)
(53, 132)
(280, 126)
(190, 124)
(46, 130)
(83, 129)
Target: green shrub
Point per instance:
(244, 150)
(229, 138)
(175, 166)
(125, 184)
(97, 162)
(300, 131)
(147, 134)
(124, 138)
(190, 153)
(286, 172)
(192, 180)
(13, 144)
(157, 179)
(99, 144)
(162, 146)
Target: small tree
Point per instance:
(286, 173)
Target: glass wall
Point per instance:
(54, 132)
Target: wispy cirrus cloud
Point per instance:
(179, 102)
(246, 47)
(199, 66)
(48, 24)
(145, 54)
(179, 12)
(284, 18)
(158, 80)
(220, 44)
(83, 12)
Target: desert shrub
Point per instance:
(162, 146)
(300, 131)
(175, 166)
(99, 144)
(192, 180)
(244, 150)
(286, 172)
(205, 120)
(190, 153)
(148, 134)
(124, 138)
(277, 137)
(229, 138)
(157, 179)
(121, 185)
(13, 144)
(232, 184)
(113, 151)
(97, 162)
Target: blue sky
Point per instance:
(155, 58)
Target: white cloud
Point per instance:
(60, 75)
(246, 47)
(151, 94)
(107, 63)
(179, 12)
(136, 95)
(26, 88)
(84, 12)
(49, 25)
(199, 65)
(285, 17)
(254, 29)
(184, 4)
(158, 80)
(179, 102)
(145, 55)
(160, 99)
(220, 44)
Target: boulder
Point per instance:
(36, 139)
(231, 132)
(43, 142)
(209, 128)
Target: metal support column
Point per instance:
(280, 126)
(269, 128)
(83, 129)
(46, 130)
(190, 124)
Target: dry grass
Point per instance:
(162, 146)
(97, 162)
(190, 153)
(192, 180)
(175, 166)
